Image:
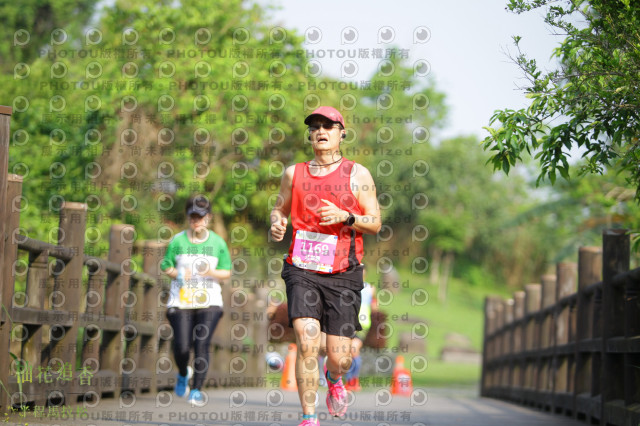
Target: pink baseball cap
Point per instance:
(328, 112)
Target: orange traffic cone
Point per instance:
(288, 380)
(401, 379)
(353, 384)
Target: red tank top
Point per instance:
(314, 246)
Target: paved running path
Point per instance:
(240, 407)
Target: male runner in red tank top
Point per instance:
(332, 202)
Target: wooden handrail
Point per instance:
(580, 348)
(65, 253)
(113, 323)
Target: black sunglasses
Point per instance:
(326, 126)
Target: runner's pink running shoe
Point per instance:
(310, 423)
(336, 397)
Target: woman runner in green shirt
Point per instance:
(197, 260)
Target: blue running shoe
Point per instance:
(196, 398)
(182, 385)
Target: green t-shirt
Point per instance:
(199, 291)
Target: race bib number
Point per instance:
(193, 297)
(314, 251)
(186, 295)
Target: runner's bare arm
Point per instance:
(171, 272)
(281, 210)
(363, 188)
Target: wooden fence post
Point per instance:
(10, 257)
(615, 260)
(547, 326)
(518, 338)
(155, 304)
(117, 284)
(498, 312)
(5, 325)
(135, 331)
(153, 314)
(5, 135)
(67, 297)
(486, 382)
(498, 318)
(32, 343)
(485, 353)
(93, 332)
(631, 332)
(587, 376)
(531, 339)
(507, 344)
(548, 299)
(563, 361)
(597, 356)
(565, 286)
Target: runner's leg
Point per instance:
(354, 370)
(181, 322)
(338, 355)
(206, 321)
(307, 332)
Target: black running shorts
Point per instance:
(332, 299)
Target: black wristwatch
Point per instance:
(351, 219)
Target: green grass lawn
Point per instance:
(461, 313)
(440, 374)
(437, 374)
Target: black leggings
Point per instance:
(193, 327)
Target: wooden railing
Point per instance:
(571, 344)
(85, 328)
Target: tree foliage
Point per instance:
(125, 119)
(29, 25)
(145, 103)
(154, 101)
(473, 213)
(590, 103)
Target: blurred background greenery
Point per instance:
(133, 106)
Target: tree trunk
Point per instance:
(434, 266)
(218, 226)
(447, 267)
